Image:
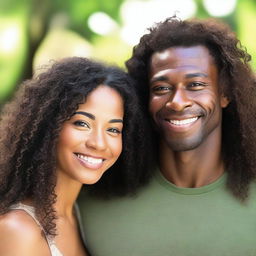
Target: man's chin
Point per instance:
(181, 145)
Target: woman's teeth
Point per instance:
(90, 159)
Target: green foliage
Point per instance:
(37, 19)
(246, 18)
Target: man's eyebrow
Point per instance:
(196, 75)
(158, 78)
(116, 121)
(91, 116)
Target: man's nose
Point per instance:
(179, 100)
(96, 140)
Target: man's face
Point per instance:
(185, 102)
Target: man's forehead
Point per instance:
(196, 51)
(194, 57)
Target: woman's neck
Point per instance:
(67, 191)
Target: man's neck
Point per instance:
(193, 168)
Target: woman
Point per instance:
(64, 129)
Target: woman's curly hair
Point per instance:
(236, 81)
(30, 127)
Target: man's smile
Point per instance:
(180, 122)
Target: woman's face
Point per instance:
(91, 141)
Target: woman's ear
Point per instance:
(224, 101)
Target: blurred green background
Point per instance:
(34, 32)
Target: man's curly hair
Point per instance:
(236, 81)
(30, 127)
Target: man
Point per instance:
(195, 80)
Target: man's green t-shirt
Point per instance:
(167, 220)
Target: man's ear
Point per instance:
(224, 101)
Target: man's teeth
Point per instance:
(90, 160)
(184, 121)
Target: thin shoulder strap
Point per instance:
(30, 210)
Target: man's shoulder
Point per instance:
(252, 190)
(86, 198)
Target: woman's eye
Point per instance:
(80, 123)
(114, 130)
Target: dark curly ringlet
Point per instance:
(236, 81)
(30, 127)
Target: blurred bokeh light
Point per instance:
(33, 32)
(137, 15)
(219, 8)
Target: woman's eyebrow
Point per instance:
(91, 116)
(116, 121)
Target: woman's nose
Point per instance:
(96, 140)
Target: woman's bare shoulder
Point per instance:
(21, 235)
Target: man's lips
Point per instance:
(183, 121)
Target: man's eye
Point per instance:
(196, 85)
(80, 123)
(161, 89)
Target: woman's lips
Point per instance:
(90, 161)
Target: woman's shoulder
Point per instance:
(21, 235)
(19, 220)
